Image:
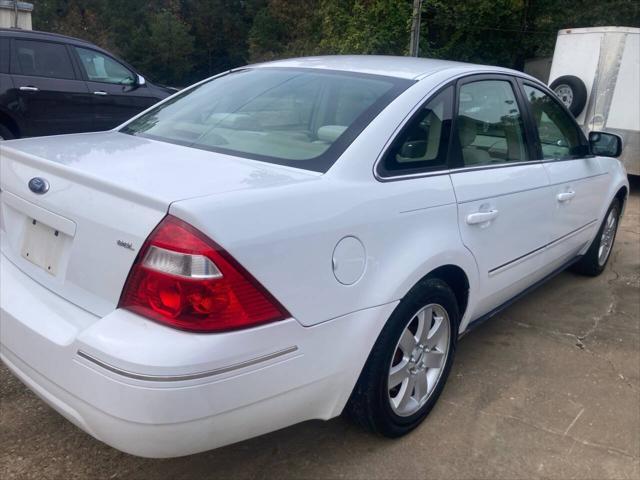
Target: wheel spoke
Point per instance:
(406, 393)
(436, 332)
(433, 359)
(398, 374)
(407, 342)
(424, 325)
(421, 386)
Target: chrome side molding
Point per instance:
(186, 376)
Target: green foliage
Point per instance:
(168, 47)
(365, 26)
(181, 41)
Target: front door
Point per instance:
(503, 199)
(116, 94)
(51, 98)
(578, 183)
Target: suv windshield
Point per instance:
(303, 118)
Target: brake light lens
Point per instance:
(183, 279)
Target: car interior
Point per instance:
(291, 115)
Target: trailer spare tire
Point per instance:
(572, 92)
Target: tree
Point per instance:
(182, 41)
(169, 47)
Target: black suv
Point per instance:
(52, 84)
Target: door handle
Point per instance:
(100, 92)
(29, 88)
(481, 217)
(566, 196)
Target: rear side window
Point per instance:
(4, 55)
(43, 59)
(558, 132)
(489, 124)
(422, 145)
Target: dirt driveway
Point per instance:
(549, 388)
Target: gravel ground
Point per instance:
(550, 388)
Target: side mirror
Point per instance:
(605, 144)
(140, 81)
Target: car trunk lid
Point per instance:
(106, 193)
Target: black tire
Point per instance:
(370, 404)
(578, 99)
(590, 264)
(5, 133)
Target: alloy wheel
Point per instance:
(607, 237)
(419, 359)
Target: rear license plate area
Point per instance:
(42, 245)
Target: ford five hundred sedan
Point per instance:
(288, 241)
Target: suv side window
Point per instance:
(489, 124)
(4, 55)
(101, 68)
(558, 132)
(43, 59)
(422, 145)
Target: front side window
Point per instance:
(490, 128)
(298, 117)
(559, 135)
(100, 68)
(422, 144)
(43, 59)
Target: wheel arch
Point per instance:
(460, 275)
(621, 195)
(458, 281)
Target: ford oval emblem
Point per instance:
(38, 185)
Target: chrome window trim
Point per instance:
(448, 171)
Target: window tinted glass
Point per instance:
(4, 55)
(422, 144)
(100, 68)
(303, 118)
(489, 124)
(559, 135)
(43, 59)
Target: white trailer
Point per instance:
(596, 73)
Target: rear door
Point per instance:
(504, 206)
(52, 99)
(578, 183)
(116, 95)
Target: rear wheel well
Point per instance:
(457, 280)
(9, 123)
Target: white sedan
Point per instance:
(288, 241)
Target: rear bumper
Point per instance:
(153, 391)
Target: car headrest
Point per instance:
(330, 133)
(236, 121)
(467, 130)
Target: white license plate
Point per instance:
(42, 246)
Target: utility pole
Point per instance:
(15, 13)
(414, 46)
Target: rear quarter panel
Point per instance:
(287, 239)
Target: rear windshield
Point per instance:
(303, 118)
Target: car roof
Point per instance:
(38, 35)
(402, 67)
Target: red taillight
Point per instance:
(183, 279)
